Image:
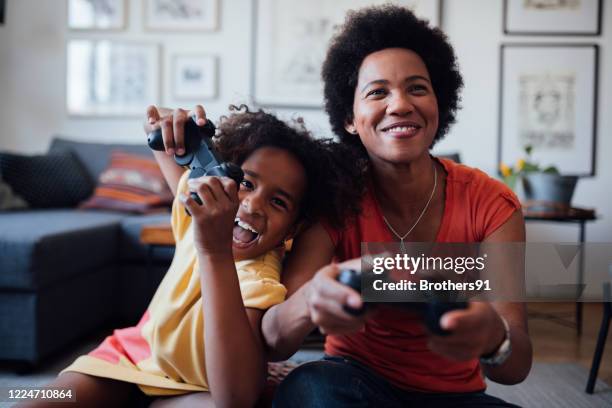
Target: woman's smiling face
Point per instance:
(395, 110)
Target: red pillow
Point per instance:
(130, 183)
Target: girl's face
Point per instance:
(395, 110)
(270, 195)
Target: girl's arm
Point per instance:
(234, 355)
(235, 364)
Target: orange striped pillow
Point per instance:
(130, 183)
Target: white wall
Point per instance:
(32, 86)
(475, 30)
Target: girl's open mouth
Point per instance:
(244, 235)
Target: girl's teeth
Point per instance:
(245, 225)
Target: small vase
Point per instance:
(549, 191)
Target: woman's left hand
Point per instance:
(214, 219)
(474, 332)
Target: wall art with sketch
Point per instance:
(548, 100)
(291, 40)
(552, 17)
(107, 78)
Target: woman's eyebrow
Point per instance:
(385, 82)
(375, 82)
(417, 77)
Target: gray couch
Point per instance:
(67, 272)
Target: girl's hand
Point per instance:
(326, 299)
(172, 124)
(475, 331)
(214, 219)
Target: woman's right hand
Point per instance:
(326, 299)
(172, 124)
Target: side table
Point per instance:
(572, 216)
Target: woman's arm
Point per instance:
(314, 299)
(285, 325)
(479, 330)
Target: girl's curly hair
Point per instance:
(334, 172)
(373, 29)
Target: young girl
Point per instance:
(201, 332)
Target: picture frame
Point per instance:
(290, 40)
(108, 78)
(97, 14)
(194, 77)
(548, 100)
(552, 17)
(182, 15)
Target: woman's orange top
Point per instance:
(394, 342)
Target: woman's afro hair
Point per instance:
(373, 29)
(334, 172)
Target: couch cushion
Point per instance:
(130, 248)
(95, 156)
(54, 180)
(131, 183)
(44, 246)
(8, 199)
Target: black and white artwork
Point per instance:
(191, 15)
(552, 17)
(107, 78)
(291, 39)
(548, 110)
(548, 100)
(96, 14)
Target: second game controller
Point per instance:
(431, 310)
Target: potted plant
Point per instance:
(544, 189)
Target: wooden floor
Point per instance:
(554, 341)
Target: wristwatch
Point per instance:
(502, 353)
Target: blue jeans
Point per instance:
(344, 382)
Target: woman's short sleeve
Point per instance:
(496, 203)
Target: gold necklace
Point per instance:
(402, 237)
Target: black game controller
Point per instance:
(200, 155)
(431, 311)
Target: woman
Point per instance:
(392, 90)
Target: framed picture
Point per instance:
(107, 78)
(194, 77)
(96, 14)
(290, 42)
(548, 100)
(552, 17)
(191, 15)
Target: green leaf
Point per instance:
(551, 170)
